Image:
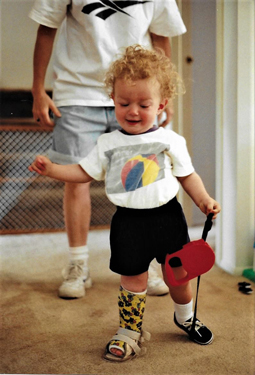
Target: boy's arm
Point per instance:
(66, 173)
(195, 188)
(42, 103)
(163, 42)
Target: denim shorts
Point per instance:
(77, 130)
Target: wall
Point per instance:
(18, 34)
(235, 112)
(194, 55)
(203, 46)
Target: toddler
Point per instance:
(143, 167)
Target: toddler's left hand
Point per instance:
(210, 206)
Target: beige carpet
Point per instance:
(43, 334)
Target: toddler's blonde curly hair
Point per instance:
(139, 63)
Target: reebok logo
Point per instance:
(110, 7)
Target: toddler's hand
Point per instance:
(40, 165)
(210, 206)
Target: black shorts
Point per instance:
(140, 235)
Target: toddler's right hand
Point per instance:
(40, 165)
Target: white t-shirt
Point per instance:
(92, 34)
(139, 170)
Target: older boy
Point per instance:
(90, 35)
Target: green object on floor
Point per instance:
(249, 273)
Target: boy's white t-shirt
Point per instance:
(91, 35)
(139, 170)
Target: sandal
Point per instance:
(132, 346)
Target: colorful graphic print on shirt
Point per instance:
(139, 171)
(133, 167)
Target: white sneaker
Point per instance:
(156, 285)
(76, 279)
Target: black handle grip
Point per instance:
(207, 226)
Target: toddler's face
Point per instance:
(137, 104)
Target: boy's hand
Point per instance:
(169, 111)
(65, 173)
(41, 105)
(210, 206)
(41, 165)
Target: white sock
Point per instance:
(79, 253)
(183, 312)
(135, 293)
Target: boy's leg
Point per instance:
(77, 213)
(156, 285)
(136, 284)
(131, 304)
(74, 136)
(181, 294)
(183, 305)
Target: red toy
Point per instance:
(196, 257)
